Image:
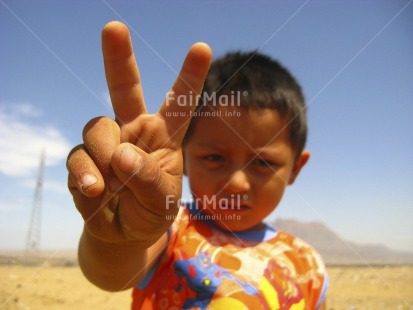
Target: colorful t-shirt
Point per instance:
(204, 267)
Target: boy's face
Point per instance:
(239, 166)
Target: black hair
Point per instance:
(265, 84)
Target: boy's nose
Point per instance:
(238, 182)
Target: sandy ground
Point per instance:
(66, 288)
(371, 288)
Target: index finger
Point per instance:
(122, 74)
(183, 97)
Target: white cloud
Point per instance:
(25, 109)
(21, 142)
(56, 186)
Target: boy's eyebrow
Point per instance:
(269, 152)
(259, 152)
(213, 145)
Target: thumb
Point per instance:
(141, 174)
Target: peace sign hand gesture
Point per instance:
(124, 170)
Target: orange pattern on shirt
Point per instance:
(206, 268)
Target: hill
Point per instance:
(336, 250)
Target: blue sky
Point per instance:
(352, 58)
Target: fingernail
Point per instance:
(129, 160)
(87, 181)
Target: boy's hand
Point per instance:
(120, 176)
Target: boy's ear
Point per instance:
(299, 163)
(183, 161)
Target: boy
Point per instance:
(240, 152)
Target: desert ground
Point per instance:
(56, 287)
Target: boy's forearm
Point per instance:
(116, 267)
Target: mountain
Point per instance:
(58, 257)
(336, 250)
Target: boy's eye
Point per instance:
(265, 163)
(213, 158)
(213, 161)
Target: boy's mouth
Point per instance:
(241, 207)
(234, 208)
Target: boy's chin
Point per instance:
(235, 221)
(237, 225)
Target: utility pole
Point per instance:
(33, 236)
